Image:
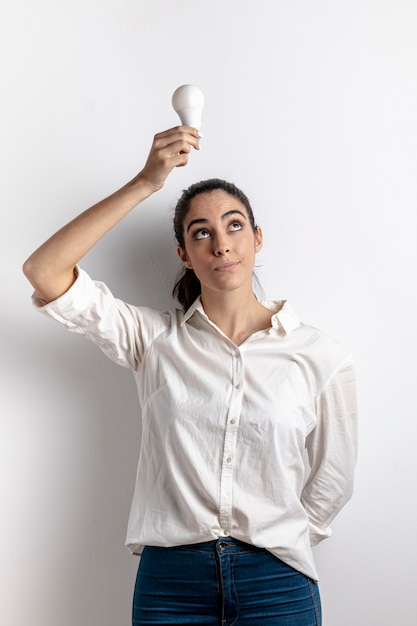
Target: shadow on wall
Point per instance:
(76, 425)
(138, 260)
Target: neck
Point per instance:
(237, 315)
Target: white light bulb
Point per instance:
(188, 102)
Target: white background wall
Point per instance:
(311, 109)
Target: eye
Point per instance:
(235, 225)
(201, 234)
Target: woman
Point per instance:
(233, 391)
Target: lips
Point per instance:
(227, 267)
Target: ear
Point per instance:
(184, 258)
(258, 239)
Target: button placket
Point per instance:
(230, 441)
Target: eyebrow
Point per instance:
(204, 220)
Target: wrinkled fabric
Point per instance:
(256, 441)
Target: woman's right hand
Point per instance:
(169, 149)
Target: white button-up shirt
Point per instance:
(256, 441)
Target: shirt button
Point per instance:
(233, 421)
(237, 386)
(229, 459)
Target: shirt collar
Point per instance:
(196, 306)
(283, 316)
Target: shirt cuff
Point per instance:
(318, 534)
(75, 300)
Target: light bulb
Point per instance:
(188, 102)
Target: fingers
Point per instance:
(177, 140)
(169, 149)
(172, 147)
(188, 130)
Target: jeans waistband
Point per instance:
(220, 545)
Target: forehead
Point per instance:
(213, 204)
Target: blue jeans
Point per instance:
(224, 582)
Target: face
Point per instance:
(220, 243)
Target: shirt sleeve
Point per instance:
(122, 331)
(332, 451)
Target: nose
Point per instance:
(221, 245)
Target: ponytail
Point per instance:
(187, 288)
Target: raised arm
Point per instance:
(50, 269)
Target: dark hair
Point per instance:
(188, 287)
